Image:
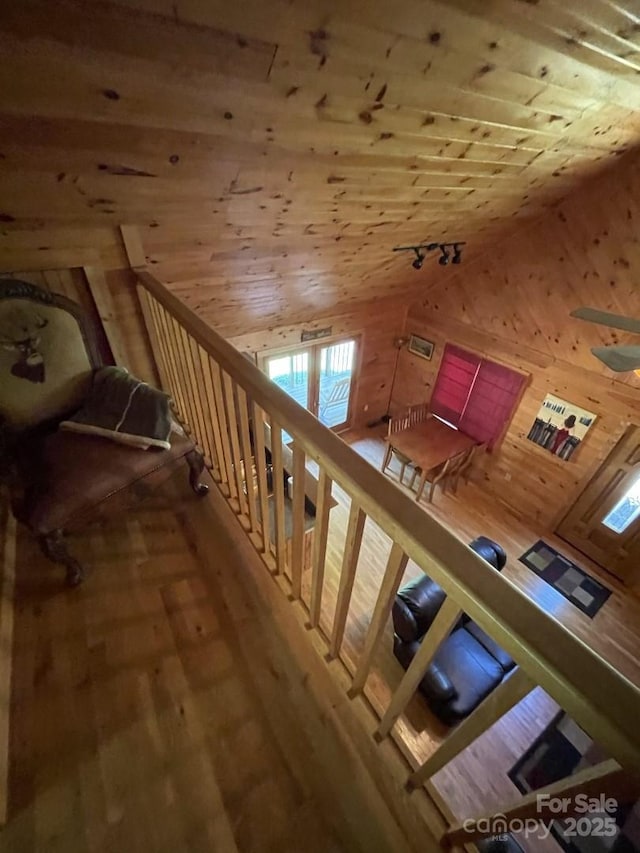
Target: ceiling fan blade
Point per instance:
(615, 321)
(619, 359)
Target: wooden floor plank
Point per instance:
(152, 709)
(156, 708)
(477, 779)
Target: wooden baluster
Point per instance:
(188, 385)
(261, 475)
(193, 388)
(352, 543)
(396, 565)
(502, 699)
(247, 456)
(163, 337)
(174, 355)
(220, 473)
(179, 390)
(228, 386)
(203, 405)
(278, 496)
(320, 536)
(297, 545)
(216, 381)
(181, 386)
(144, 298)
(607, 776)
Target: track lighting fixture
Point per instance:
(445, 253)
(420, 256)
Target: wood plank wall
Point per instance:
(54, 259)
(284, 148)
(376, 327)
(513, 305)
(7, 579)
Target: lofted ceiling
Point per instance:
(274, 151)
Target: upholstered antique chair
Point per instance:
(60, 480)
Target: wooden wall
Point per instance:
(273, 152)
(64, 261)
(7, 585)
(513, 305)
(377, 326)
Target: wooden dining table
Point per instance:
(428, 445)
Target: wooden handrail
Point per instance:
(600, 698)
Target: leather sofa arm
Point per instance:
(415, 607)
(490, 551)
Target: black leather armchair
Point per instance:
(468, 664)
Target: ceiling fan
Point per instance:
(617, 358)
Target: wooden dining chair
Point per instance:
(396, 424)
(456, 465)
(418, 413)
(465, 468)
(433, 477)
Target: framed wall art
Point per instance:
(421, 346)
(560, 427)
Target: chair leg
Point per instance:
(403, 468)
(387, 458)
(195, 461)
(55, 549)
(421, 485)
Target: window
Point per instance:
(455, 380)
(319, 377)
(626, 510)
(475, 395)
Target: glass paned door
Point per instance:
(291, 373)
(604, 521)
(626, 510)
(334, 383)
(318, 377)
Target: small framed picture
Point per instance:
(421, 346)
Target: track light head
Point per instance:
(421, 249)
(417, 264)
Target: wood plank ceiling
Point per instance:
(274, 151)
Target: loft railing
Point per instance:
(226, 402)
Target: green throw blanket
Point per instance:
(125, 409)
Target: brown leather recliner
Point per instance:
(60, 480)
(469, 664)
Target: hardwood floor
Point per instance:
(157, 708)
(614, 633)
(161, 706)
(477, 780)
